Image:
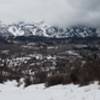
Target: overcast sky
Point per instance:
(51, 11)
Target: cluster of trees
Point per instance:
(65, 73)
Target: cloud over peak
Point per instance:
(62, 12)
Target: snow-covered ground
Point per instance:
(9, 91)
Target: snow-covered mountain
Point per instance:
(42, 29)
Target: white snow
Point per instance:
(9, 91)
(16, 31)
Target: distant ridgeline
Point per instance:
(44, 30)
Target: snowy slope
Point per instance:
(51, 31)
(16, 31)
(9, 91)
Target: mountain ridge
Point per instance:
(43, 30)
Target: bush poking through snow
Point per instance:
(57, 79)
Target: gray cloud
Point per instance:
(87, 10)
(62, 12)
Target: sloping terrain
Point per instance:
(69, 61)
